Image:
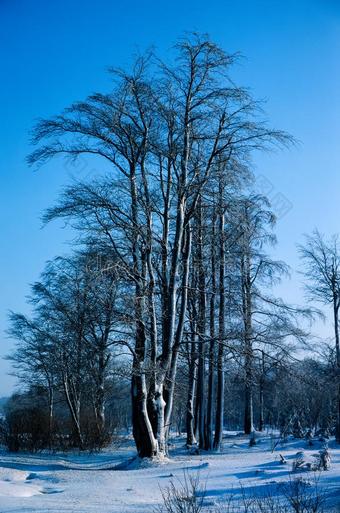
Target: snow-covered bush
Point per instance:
(322, 461)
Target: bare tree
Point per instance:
(163, 130)
(265, 320)
(35, 358)
(321, 260)
(66, 345)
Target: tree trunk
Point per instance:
(261, 394)
(100, 396)
(142, 428)
(248, 408)
(171, 377)
(211, 380)
(145, 440)
(201, 326)
(219, 421)
(191, 439)
(74, 407)
(50, 414)
(337, 349)
(248, 349)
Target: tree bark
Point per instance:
(337, 349)
(201, 327)
(247, 322)
(191, 439)
(219, 421)
(211, 372)
(261, 394)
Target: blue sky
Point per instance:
(53, 53)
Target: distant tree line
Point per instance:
(164, 317)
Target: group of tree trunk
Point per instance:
(173, 264)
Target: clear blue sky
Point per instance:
(52, 53)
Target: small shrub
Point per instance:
(304, 495)
(295, 496)
(186, 496)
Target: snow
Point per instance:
(15, 483)
(113, 482)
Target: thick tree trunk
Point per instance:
(146, 443)
(161, 425)
(143, 427)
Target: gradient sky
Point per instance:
(55, 52)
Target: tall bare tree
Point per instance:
(321, 258)
(162, 129)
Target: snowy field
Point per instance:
(92, 483)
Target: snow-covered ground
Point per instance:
(91, 483)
